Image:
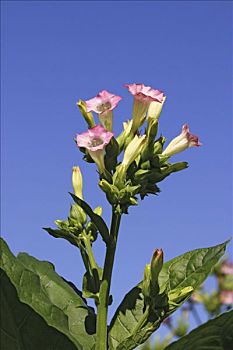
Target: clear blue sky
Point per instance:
(54, 53)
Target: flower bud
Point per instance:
(146, 284)
(77, 215)
(77, 182)
(181, 142)
(87, 115)
(125, 136)
(156, 264)
(133, 150)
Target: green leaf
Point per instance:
(191, 268)
(177, 278)
(22, 328)
(39, 286)
(63, 234)
(97, 219)
(216, 334)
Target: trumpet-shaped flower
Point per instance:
(77, 182)
(143, 96)
(182, 142)
(103, 104)
(95, 140)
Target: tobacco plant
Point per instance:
(41, 309)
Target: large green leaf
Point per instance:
(39, 286)
(22, 328)
(216, 334)
(178, 277)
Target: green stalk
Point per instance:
(102, 307)
(84, 257)
(93, 268)
(90, 254)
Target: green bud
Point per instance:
(75, 226)
(63, 225)
(87, 115)
(158, 145)
(156, 265)
(146, 283)
(152, 130)
(133, 201)
(126, 136)
(78, 214)
(111, 191)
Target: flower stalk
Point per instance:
(102, 307)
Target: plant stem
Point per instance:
(90, 254)
(102, 308)
(85, 258)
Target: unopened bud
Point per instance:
(77, 182)
(133, 150)
(87, 115)
(78, 215)
(156, 264)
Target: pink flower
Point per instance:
(145, 93)
(226, 297)
(95, 140)
(227, 268)
(143, 96)
(103, 104)
(182, 142)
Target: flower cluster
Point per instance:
(144, 161)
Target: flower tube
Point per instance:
(143, 96)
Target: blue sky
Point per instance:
(54, 53)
